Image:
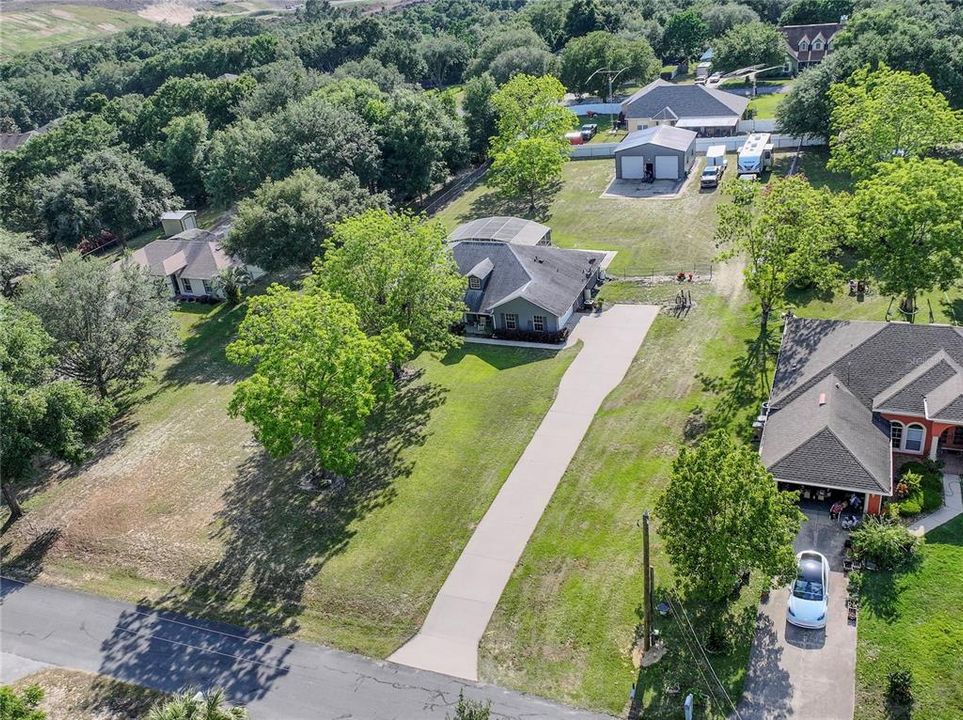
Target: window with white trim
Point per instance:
(208, 289)
(817, 45)
(511, 321)
(913, 438)
(474, 283)
(803, 45)
(896, 434)
(186, 283)
(538, 323)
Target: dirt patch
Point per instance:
(174, 12)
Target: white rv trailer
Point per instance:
(755, 157)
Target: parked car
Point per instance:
(712, 176)
(809, 599)
(588, 131)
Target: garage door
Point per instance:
(666, 167)
(632, 167)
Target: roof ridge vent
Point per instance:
(822, 399)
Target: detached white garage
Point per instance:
(662, 152)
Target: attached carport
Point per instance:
(662, 152)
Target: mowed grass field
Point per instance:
(40, 26)
(183, 509)
(913, 618)
(651, 235)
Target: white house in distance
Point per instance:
(189, 259)
(709, 112)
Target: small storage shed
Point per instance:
(177, 221)
(662, 152)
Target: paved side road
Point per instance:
(274, 677)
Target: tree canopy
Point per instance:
(286, 222)
(722, 514)
(39, 413)
(910, 226)
(398, 272)
(110, 323)
(754, 43)
(191, 705)
(20, 255)
(789, 232)
(684, 36)
(880, 114)
(316, 375)
(585, 56)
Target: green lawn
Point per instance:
(27, 29)
(914, 618)
(652, 235)
(566, 624)
(183, 509)
(765, 105)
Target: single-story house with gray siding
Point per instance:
(524, 288)
(662, 152)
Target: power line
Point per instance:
(685, 639)
(712, 670)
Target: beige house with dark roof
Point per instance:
(189, 260)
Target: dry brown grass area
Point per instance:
(74, 695)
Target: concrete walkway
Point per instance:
(952, 506)
(448, 640)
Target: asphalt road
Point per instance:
(273, 677)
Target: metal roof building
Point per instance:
(516, 231)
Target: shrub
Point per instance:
(887, 544)
(856, 581)
(532, 336)
(900, 686)
(470, 709)
(924, 481)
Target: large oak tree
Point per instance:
(316, 376)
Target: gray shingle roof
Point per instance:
(886, 366)
(663, 135)
(906, 395)
(549, 277)
(193, 253)
(827, 437)
(684, 101)
(501, 228)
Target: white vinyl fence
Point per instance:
(594, 151)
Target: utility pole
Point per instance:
(646, 586)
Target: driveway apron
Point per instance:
(448, 640)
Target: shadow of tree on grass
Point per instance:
(492, 203)
(276, 535)
(745, 387)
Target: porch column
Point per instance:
(934, 444)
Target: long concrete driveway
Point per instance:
(448, 640)
(276, 678)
